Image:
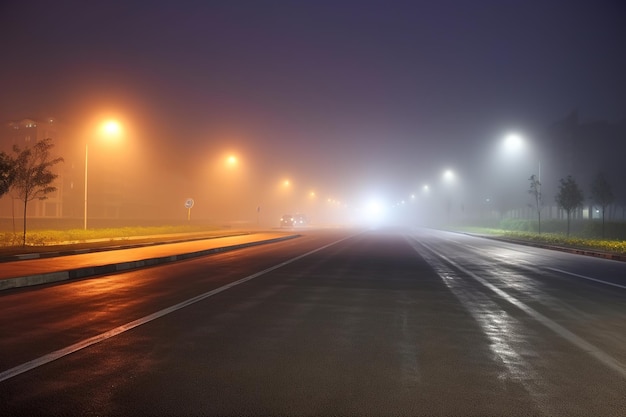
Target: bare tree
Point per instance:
(569, 197)
(602, 195)
(33, 174)
(535, 191)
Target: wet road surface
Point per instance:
(380, 323)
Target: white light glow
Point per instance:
(513, 142)
(373, 212)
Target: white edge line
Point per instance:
(594, 351)
(589, 278)
(57, 354)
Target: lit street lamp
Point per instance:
(110, 128)
(448, 177)
(513, 142)
(231, 161)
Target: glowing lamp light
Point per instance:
(231, 161)
(111, 128)
(513, 141)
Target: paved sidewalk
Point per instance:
(35, 270)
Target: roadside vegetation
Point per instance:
(583, 234)
(37, 238)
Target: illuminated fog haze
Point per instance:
(358, 104)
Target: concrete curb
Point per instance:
(90, 271)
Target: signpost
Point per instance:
(188, 206)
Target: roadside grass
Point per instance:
(555, 239)
(73, 236)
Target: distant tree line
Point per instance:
(570, 197)
(589, 152)
(26, 174)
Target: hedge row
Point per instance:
(589, 229)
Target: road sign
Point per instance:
(188, 206)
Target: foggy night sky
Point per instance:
(338, 94)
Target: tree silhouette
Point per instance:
(33, 174)
(535, 191)
(569, 197)
(602, 194)
(7, 173)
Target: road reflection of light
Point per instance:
(505, 265)
(471, 265)
(506, 335)
(501, 329)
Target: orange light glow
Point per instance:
(231, 161)
(112, 128)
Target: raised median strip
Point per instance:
(40, 255)
(90, 271)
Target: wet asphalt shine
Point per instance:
(333, 323)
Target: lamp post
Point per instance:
(513, 142)
(86, 172)
(449, 178)
(109, 128)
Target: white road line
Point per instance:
(589, 278)
(592, 350)
(20, 369)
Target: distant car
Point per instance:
(287, 220)
(300, 220)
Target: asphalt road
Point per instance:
(381, 322)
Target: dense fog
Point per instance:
(349, 113)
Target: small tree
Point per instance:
(569, 197)
(33, 174)
(535, 191)
(7, 173)
(602, 195)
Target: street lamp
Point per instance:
(232, 161)
(448, 175)
(513, 142)
(110, 128)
